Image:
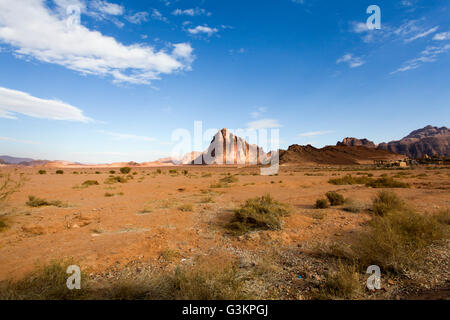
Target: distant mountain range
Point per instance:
(429, 141)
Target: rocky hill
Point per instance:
(229, 149)
(352, 142)
(335, 155)
(429, 141)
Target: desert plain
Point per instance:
(177, 217)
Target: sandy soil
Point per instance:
(143, 218)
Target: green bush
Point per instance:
(59, 172)
(335, 198)
(115, 179)
(349, 180)
(42, 172)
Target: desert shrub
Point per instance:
(207, 200)
(321, 204)
(443, 216)
(353, 206)
(262, 213)
(386, 201)
(125, 170)
(75, 172)
(335, 199)
(9, 186)
(3, 223)
(88, 183)
(46, 282)
(186, 207)
(112, 172)
(35, 202)
(109, 195)
(349, 180)
(115, 179)
(342, 282)
(42, 172)
(158, 171)
(207, 175)
(397, 241)
(185, 172)
(229, 179)
(173, 171)
(387, 182)
(59, 172)
(195, 283)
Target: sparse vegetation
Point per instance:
(186, 207)
(59, 172)
(386, 201)
(353, 206)
(125, 170)
(229, 179)
(112, 172)
(115, 179)
(349, 180)
(322, 204)
(88, 183)
(262, 213)
(42, 172)
(335, 198)
(35, 202)
(387, 182)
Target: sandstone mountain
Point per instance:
(335, 155)
(352, 142)
(226, 148)
(429, 141)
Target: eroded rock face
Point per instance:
(227, 148)
(357, 142)
(429, 141)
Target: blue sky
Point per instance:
(116, 86)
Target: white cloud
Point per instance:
(442, 36)
(351, 60)
(191, 12)
(126, 136)
(203, 29)
(107, 7)
(422, 34)
(315, 133)
(13, 102)
(138, 17)
(264, 124)
(359, 27)
(46, 37)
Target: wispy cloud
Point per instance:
(14, 102)
(47, 37)
(18, 140)
(351, 60)
(156, 15)
(422, 34)
(442, 36)
(430, 54)
(316, 133)
(258, 112)
(127, 136)
(191, 12)
(138, 17)
(264, 124)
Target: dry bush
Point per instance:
(386, 201)
(46, 282)
(335, 198)
(229, 179)
(115, 179)
(35, 202)
(387, 182)
(88, 183)
(186, 207)
(322, 204)
(125, 170)
(258, 214)
(342, 282)
(353, 206)
(349, 180)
